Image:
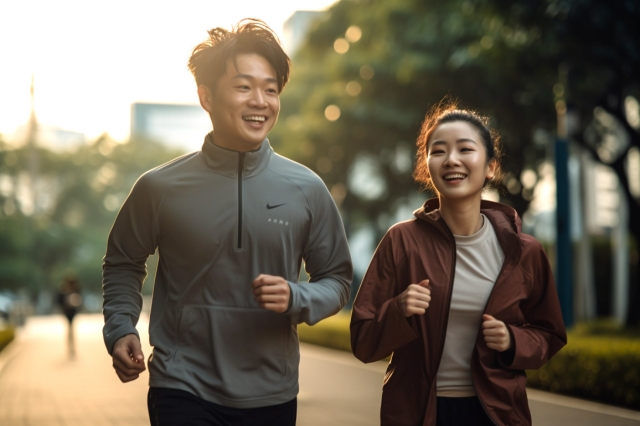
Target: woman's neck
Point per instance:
(461, 216)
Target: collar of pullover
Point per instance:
(227, 162)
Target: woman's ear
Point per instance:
(492, 168)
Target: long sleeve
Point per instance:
(327, 261)
(543, 333)
(378, 326)
(133, 238)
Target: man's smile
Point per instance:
(255, 118)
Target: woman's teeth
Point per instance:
(454, 176)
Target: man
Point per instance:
(232, 224)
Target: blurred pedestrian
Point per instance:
(70, 301)
(232, 224)
(459, 296)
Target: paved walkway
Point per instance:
(41, 386)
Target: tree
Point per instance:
(78, 195)
(501, 57)
(410, 55)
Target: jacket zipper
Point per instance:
(453, 275)
(240, 169)
(446, 322)
(475, 349)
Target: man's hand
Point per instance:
(415, 299)
(495, 333)
(128, 359)
(271, 292)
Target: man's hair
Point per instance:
(209, 59)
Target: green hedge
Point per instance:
(6, 336)
(332, 332)
(600, 362)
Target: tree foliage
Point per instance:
(411, 55)
(77, 195)
(517, 62)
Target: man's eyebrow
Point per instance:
(250, 77)
(458, 141)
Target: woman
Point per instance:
(461, 298)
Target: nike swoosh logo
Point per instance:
(273, 207)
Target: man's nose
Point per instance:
(258, 99)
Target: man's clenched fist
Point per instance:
(272, 293)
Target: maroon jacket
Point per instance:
(524, 297)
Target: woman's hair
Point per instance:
(448, 113)
(209, 59)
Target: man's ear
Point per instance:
(206, 98)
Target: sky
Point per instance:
(91, 59)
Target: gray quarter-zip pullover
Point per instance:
(218, 219)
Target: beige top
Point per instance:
(478, 262)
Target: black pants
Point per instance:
(173, 407)
(461, 411)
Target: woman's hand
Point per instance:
(415, 299)
(495, 333)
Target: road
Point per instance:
(41, 386)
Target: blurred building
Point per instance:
(34, 134)
(176, 125)
(55, 138)
(47, 136)
(297, 27)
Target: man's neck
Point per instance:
(235, 145)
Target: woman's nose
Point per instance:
(451, 159)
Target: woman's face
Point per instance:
(457, 161)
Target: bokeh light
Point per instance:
(341, 46)
(332, 112)
(353, 34)
(366, 72)
(353, 88)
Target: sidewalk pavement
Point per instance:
(41, 386)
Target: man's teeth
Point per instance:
(454, 176)
(254, 118)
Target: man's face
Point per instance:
(245, 105)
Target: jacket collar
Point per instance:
(499, 214)
(505, 221)
(226, 162)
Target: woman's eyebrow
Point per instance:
(457, 141)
